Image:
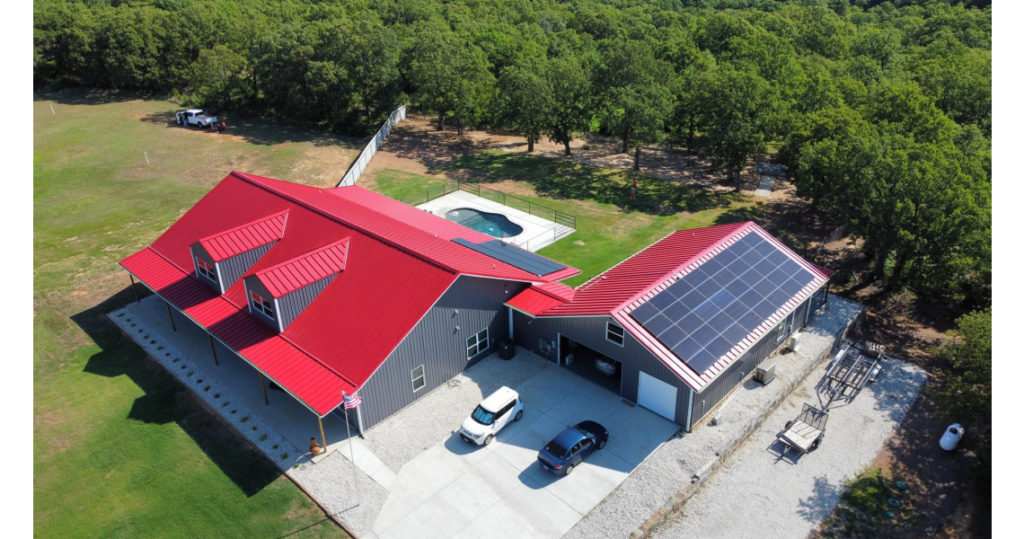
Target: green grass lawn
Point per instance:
(610, 225)
(121, 449)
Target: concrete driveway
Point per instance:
(454, 489)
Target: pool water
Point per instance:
(493, 224)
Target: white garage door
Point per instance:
(657, 396)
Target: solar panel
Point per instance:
(722, 301)
(702, 360)
(657, 324)
(658, 302)
(676, 311)
(513, 256)
(721, 322)
(648, 310)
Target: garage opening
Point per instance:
(590, 364)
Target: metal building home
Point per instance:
(324, 291)
(677, 326)
(331, 291)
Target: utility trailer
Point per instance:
(804, 433)
(848, 373)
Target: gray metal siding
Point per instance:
(591, 331)
(293, 303)
(438, 342)
(232, 269)
(818, 299)
(717, 390)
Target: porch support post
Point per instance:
(170, 316)
(264, 386)
(213, 349)
(134, 289)
(323, 440)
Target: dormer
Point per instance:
(222, 258)
(278, 294)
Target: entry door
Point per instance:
(657, 396)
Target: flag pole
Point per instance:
(351, 450)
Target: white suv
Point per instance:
(491, 415)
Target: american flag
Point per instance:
(351, 401)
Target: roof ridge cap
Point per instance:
(246, 178)
(346, 239)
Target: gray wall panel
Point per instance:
(438, 343)
(591, 332)
(233, 268)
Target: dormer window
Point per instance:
(259, 304)
(205, 269)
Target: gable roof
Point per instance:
(387, 245)
(633, 282)
(245, 237)
(303, 270)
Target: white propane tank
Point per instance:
(951, 437)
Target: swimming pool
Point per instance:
(492, 224)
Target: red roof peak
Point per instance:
(293, 274)
(245, 237)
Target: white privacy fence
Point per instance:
(371, 148)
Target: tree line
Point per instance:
(881, 110)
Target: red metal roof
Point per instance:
(307, 379)
(246, 237)
(642, 276)
(291, 275)
(537, 299)
(390, 243)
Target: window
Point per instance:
(615, 334)
(206, 270)
(784, 327)
(261, 305)
(477, 343)
(418, 379)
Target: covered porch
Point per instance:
(267, 415)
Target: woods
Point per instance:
(880, 109)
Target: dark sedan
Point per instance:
(567, 450)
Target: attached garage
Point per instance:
(688, 318)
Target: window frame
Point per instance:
(258, 304)
(608, 334)
(207, 270)
(476, 344)
(422, 377)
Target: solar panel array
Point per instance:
(710, 310)
(514, 256)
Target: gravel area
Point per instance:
(758, 488)
(347, 495)
(678, 468)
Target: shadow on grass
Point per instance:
(263, 131)
(166, 400)
(564, 179)
(88, 96)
